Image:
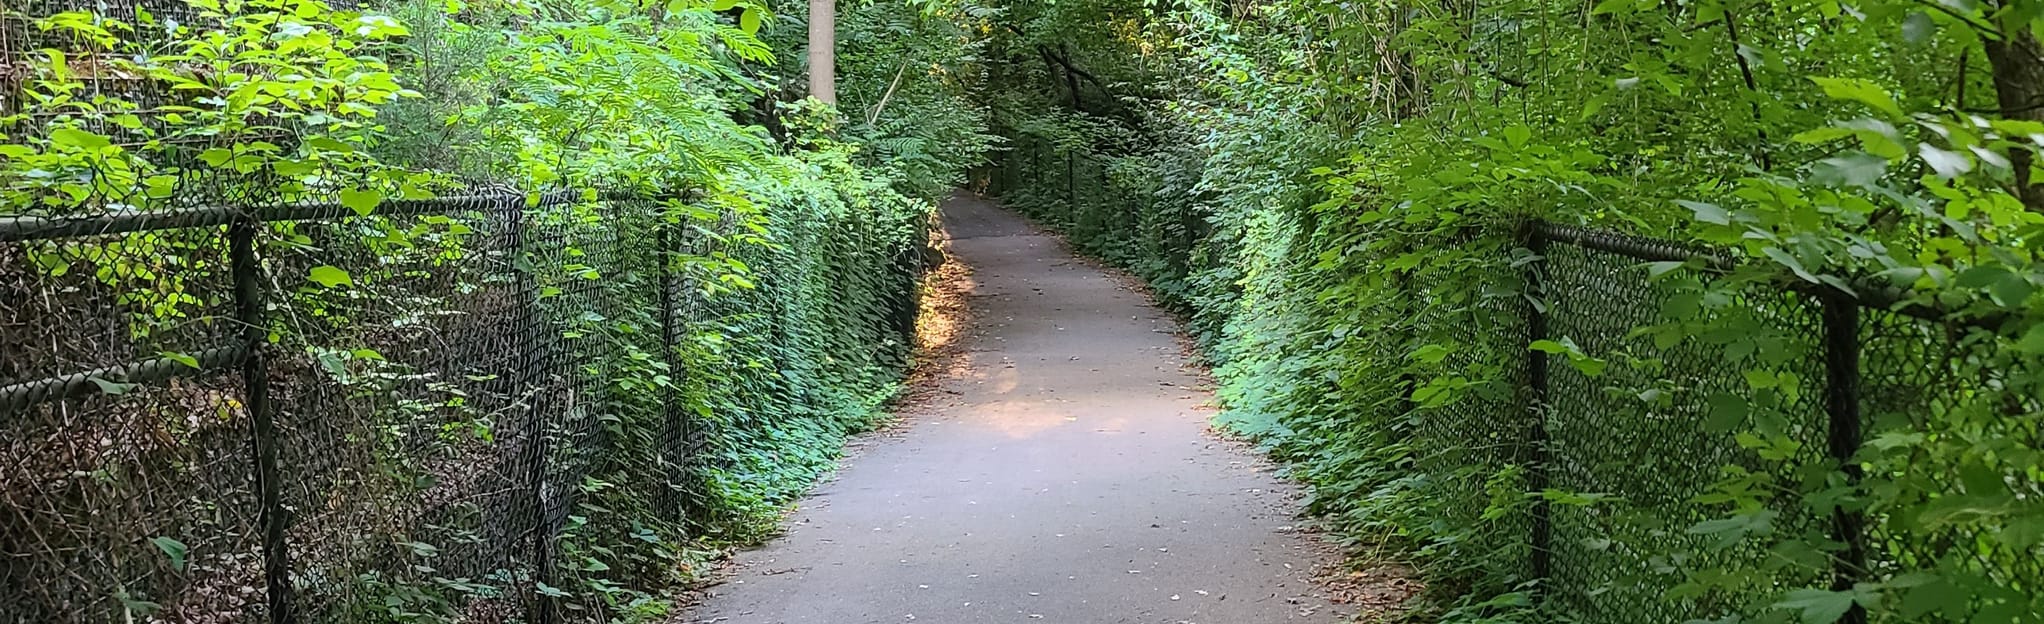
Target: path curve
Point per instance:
(1062, 475)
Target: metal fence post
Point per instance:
(255, 376)
(532, 363)
(676, 436)
(1037, 166)
(1841, 405)
(1537, 382)
(1072, 187)
(1104, 187)
(1408, 311)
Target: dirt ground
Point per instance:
(1055, 469)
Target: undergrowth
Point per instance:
(789, 235)
(1338, 195)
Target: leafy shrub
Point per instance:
(702, 252)
(1336, 193)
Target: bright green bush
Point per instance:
(1333, 193)
(800, 229)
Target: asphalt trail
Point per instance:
(1061, 475)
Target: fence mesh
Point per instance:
(231, 398)
(1657, 388)
(408, 422)
(121, 393)
(1639, 433)
(1459, 444)
(434, 424)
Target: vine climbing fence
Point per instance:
(433, 422)
(249, 374)
(1629, 426)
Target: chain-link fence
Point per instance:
(1624, 395)
(1637, 435)
(431, 423)
(232, 392)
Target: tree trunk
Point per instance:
(823, 50)
(2018, 61)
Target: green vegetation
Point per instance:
(1334, 194)
(797, 232)
(1337, 195)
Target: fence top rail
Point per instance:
(1643, 248)
(27, 228)
(1863, 292)
(16, 396)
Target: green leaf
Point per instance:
(1594, 105)
(1794, 265)
(1761, 380)
(1707, 12)
(2023, 531)
(362, 201)
(330, 144)
(749, 21)
(1431, 354)
(1589, 366)
(60, 69)
(1948, 164)
(216, 156)
(1612, 6)
(1937, 596)
(161, 186)
(2032, 341)
(421, 549)
(1657, 269)
(135, 605)
(1818, 606)
(1727, 412)
(181, 359)
(1918, 28)
(1855, 169)
(335, 363)
(1862, 91)
(2013, 290)
(80, 139)
(1518, 136)
(1822, 135)
(173, 549)
(330, 276)
(1707, 213)
(112, 387)
(1983, 276)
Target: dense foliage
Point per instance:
(1335, 193)
(800, 231)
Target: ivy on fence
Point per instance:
(269, 351)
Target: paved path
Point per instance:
(1061, 476)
